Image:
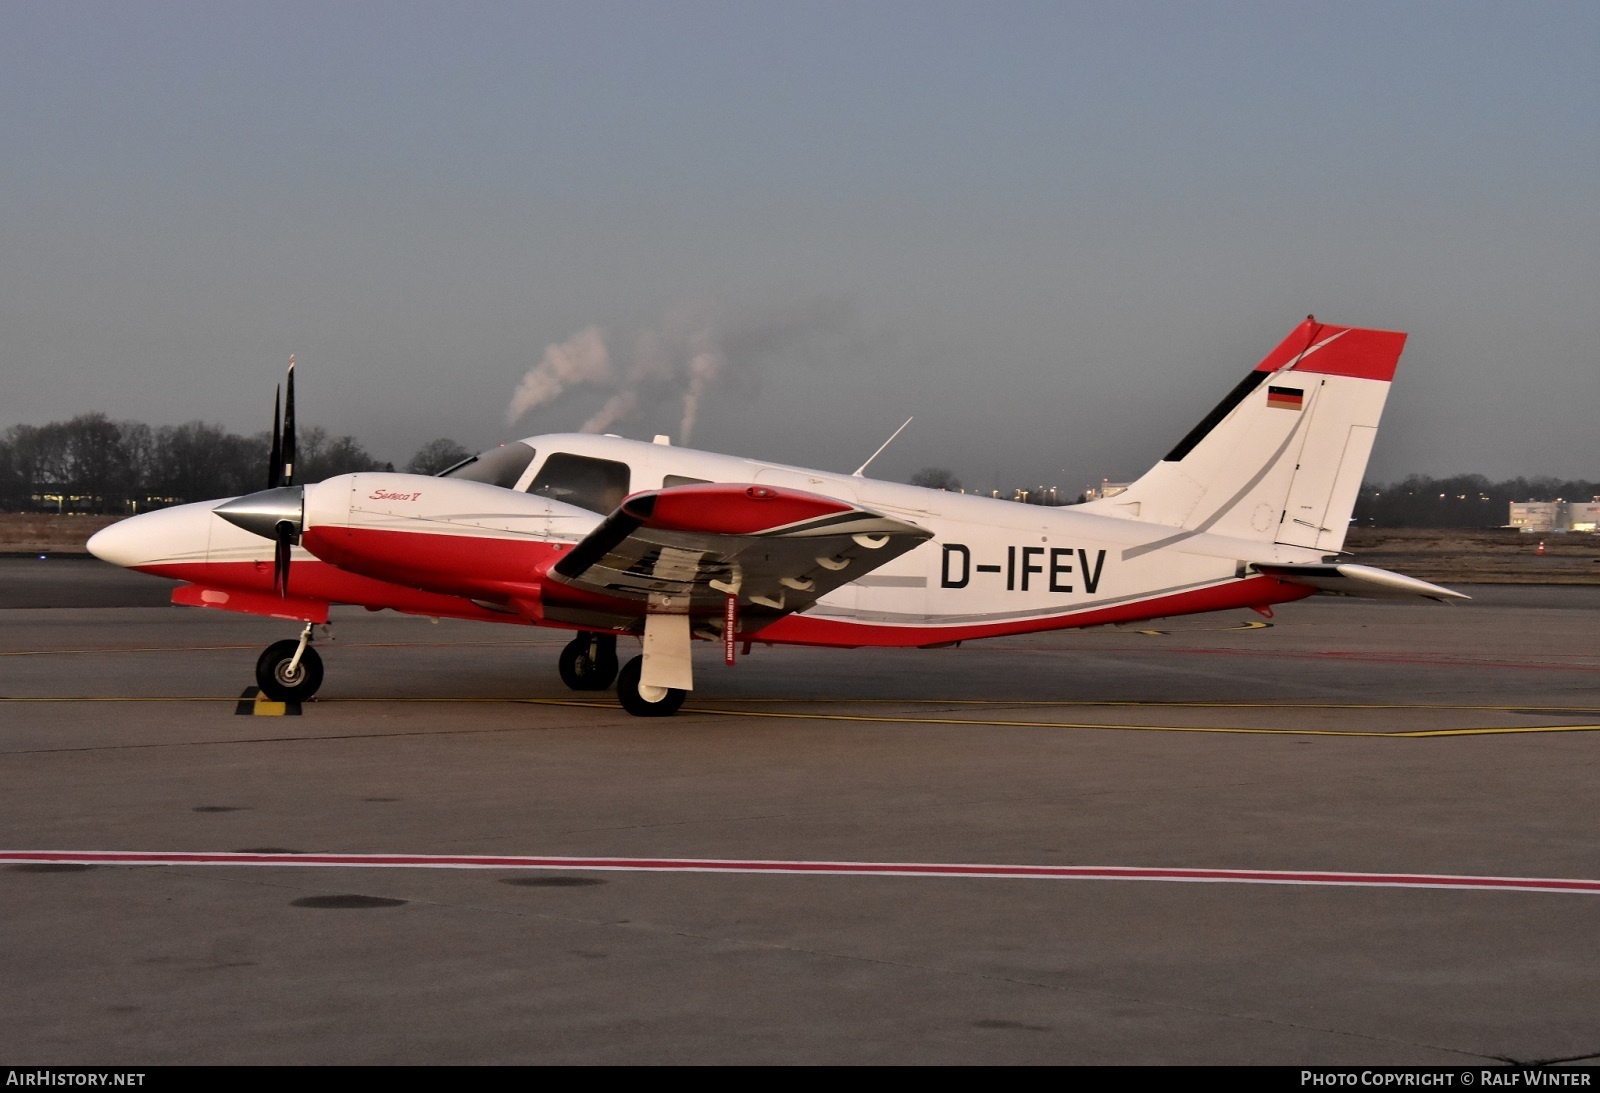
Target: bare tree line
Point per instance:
(93, 464)
(1460, 501)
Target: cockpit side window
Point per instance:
(683, 480)
(500, 466)
(598, 485)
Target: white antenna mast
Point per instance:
(881, 447)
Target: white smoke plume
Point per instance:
(678, 360)
(581, 359)
(619, 407)
(704, 367)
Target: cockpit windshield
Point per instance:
(501, 466)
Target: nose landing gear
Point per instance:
(589, 662)
(290, 670)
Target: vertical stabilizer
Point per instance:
(1281, 458)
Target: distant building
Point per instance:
(81, 504)
(1583, 515)
(1554, 516)
(1049, 496)
(1106, 488)
(1535, 516)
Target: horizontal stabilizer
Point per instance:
(1349, 579)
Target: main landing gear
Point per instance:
(589, 662)
(290, 670)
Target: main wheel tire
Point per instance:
(583, 668)
(643, 701)
(275, 679)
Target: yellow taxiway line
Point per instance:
(976, 722)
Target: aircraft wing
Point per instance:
(685, 549)
(1349, 579)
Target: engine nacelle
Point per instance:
(444, 535)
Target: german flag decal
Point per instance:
(1285, 398)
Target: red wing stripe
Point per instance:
(729, 508)
(822, 868)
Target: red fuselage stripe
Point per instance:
(1252, 592)
(319, 581)
(430, 574)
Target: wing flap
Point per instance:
(684, 549)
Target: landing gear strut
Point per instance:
(589, 662)
(290, 670)
(644, 701)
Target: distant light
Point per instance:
(41, 557)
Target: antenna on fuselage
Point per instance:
(881, 447)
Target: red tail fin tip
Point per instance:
(1337, 351)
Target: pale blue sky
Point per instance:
(1055, 233)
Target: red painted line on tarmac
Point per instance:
(819, 868)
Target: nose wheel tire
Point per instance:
(642, 701)
(281, 685)
(589, 662)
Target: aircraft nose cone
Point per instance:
(119, 544)
(161, 537)
(261, 513)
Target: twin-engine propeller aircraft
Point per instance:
(618, 538)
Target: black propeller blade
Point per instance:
(283, 540)
(280, 473)
(275, 458)
(288, 430)
(277, 512)
(286, 532)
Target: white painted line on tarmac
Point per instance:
(1332, 878)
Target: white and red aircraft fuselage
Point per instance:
(613, 537)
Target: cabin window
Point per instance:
(683, 480)
(501, 466)
(598, 485)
